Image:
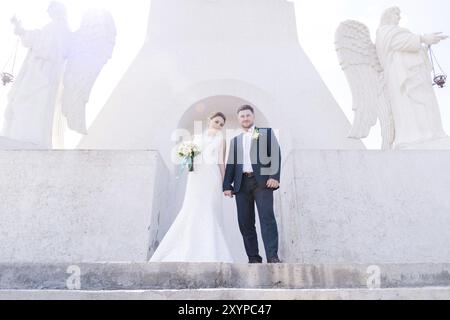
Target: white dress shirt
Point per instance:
(247, 144)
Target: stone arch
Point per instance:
(196, 117)
(228, 95)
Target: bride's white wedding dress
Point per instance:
(197, 235)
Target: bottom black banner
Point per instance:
(224, 309)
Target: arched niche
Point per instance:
(195, 119)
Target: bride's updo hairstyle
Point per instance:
(218, 114)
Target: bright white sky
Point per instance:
(317, 22)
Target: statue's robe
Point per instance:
(407, 71)
(31, 102)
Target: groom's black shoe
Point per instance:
(274, 260)
(255, 260)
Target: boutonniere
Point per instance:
(256, 134)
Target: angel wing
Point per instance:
(358, 57)
(90, 49)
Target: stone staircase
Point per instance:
(175, 281)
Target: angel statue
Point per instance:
(391, 81)
(57, 75)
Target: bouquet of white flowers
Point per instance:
(188, 151)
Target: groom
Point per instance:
(253, 174)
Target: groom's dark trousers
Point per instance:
(250, 193)
(251, 189)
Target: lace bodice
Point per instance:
(210, 147)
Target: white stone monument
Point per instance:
(343, 214)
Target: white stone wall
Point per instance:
(335, 207)
(66, 206)
(366, 207)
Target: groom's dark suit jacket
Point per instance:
(266, 160)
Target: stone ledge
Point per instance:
(91, 206)
(365, 207)
(179, 276)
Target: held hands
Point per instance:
(271, 184)
(433, 38)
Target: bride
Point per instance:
(197, 234)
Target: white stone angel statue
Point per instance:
(391, 82)
(57, 75)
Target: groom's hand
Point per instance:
(273, 184)
(228, 194)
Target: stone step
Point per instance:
(234, 294)
(181, 276)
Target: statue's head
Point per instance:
(391, 16)
(57, 11)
